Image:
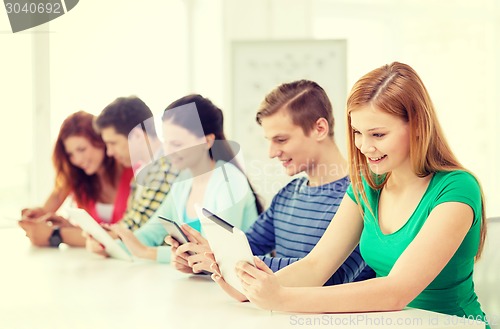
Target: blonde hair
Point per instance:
(398, 90)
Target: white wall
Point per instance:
(83, 60)
(103, 50)
(16, 132)
(160, 50)
(453, 45)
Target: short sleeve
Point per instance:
(461, 186)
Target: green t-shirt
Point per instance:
(452, 291)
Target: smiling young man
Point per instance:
(298, 121)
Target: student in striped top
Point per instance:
(297, 120)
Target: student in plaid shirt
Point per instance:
(127, 127)
(147, 196)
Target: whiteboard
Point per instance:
(259, 66)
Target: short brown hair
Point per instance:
(304, 100)
(124, 114)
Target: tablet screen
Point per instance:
(82, 218)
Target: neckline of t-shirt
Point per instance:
(412, 214)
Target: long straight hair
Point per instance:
(70, 178)
(398, 90)
(212, 122)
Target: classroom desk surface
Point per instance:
(71, 288)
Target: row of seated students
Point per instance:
(400, 203)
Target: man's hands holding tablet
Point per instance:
(191, 256)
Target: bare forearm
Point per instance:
(304, 273)
(380, 294)
(72, 236)
(137, 248)
(299, 274)
(55, 200)
(330, 252)
(149, 253)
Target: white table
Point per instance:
(69, 288)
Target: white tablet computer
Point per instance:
(82, 218)
(228, 243)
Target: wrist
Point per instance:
(284, 300)
(72, 235)
(148, 253)
(55, 238)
